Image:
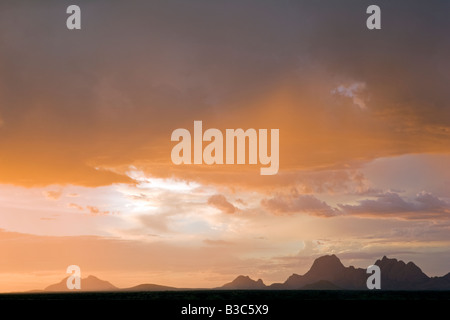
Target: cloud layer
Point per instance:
(220, 202)
(81, 107)
(423, 206)
(299, 204)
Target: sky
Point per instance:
(86, 118)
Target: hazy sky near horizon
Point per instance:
(86, 117)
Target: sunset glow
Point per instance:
(86, 117)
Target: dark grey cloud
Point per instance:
(108, 94)
(304, 203)
(423, 206)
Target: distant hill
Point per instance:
(439, 283)
(244, 283)
(150, 287)
(90, 283)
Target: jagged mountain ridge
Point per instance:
(330, 269)
(326, 273)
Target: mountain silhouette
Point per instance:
(326, 273)
(439, 283)
(244, 283)
(396, 275)
(91, 283)
(330, 269)
(150, 287)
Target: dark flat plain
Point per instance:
(235, 295)
(280, 304)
